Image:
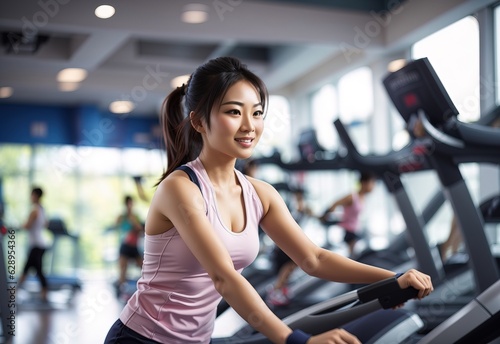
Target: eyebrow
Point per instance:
(234, 102)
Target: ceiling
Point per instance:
(135, 54)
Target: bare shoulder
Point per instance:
(267, 193)
(173, 194)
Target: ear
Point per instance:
(196, 123)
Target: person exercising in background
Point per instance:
(35, 224)
(130, 228)
(284, 266)
(352, 205)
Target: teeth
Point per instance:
(246, 141)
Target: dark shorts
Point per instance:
(350, 236)
(129, 251)
(279, 259)
(34, 261)
(121, 334)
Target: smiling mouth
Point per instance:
(244, 140)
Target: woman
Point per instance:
(199, 238)
(352, 205)
(130, 229)
(35, 224)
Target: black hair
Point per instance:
(37, 192)
(127, 199)
(365, 176)
(205, 89)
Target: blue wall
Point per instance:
(80, 125)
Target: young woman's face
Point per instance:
(236, 126)
(368, 185)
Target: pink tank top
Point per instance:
(176, 300)
(350, 217)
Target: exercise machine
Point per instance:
(389, 168)
(477, 322)
(417, 91)
(60, 232)
(366, 312)
(418, 94)
(309, 290)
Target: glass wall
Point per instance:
(356, 105)
(83, 186)
(324, 110)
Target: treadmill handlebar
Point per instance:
(436, 135)
(344, 308)
(387, 292)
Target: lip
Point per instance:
(245, 141)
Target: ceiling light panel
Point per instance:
(104, 11)
(72, 75)
(195, 14)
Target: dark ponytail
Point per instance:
(205, 89)
(179, 136)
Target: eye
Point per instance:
(233, 112)
(258, 113)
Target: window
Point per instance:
(454, 54)
(277, 128)
(356, 105)
(84, 186)
(324, 111)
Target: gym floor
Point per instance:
(68, 318)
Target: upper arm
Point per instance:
(181, 203)
(344, 201)
(281, 227)
(31, 218)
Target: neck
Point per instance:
(219, 170)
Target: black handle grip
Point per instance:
(388, 292)
(403, 295)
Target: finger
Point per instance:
(421, 282)
(348, 337)
(416, 280)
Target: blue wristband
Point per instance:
(298, 337)
(399, 274)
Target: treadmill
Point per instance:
(389, 168)
(309, 290)
(366, 312)
(417, 91)
(56, 282)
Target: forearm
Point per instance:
(334, 267)
(243, 298)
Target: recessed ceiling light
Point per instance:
(6, 92)
(195, 13)
(178, 81)
(71, 75)
(104, 11)
(121, 106)
(68, 86)
(396, 65)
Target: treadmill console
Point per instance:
(415, 87)
(309, 147)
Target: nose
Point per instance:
(247, 124)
